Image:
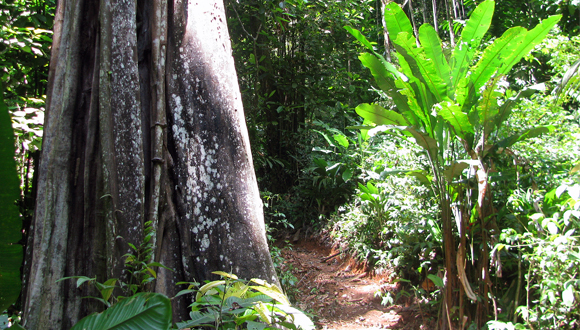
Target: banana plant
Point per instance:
(444, 101)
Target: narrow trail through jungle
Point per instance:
(340, 295)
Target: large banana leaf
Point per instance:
(451, 112)
(422, 67)
(384, 80)
(524, 135)
(434, 50)
(533, 37)
(142, 311)
(10, 223)
(419, 98)
(380, 116)
(360, 37)
(396, 20)
(487, 108)
(495, 55)
(474, 30)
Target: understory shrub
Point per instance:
(390, 222)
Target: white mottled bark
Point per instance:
(144, 124)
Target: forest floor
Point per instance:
(339, 294)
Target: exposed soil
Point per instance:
(341, 294)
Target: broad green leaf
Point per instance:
(414, 112)
(157, 264)
(132, 246)
(10, 223)
(434, 50)
(263, 311)
(363, 188)
(461, 94)
(341, 139)
(436, 280)
(487, 108)
(380, 116)
(372, 189)
(526, 134)
(83, 279)
(396, 20)
(360, 37)
(208, 286)
(412, 70)
(239, 290)
(384, 79)
(254, 299)
(451, 112)
(142, 311)
(495, 55)
(346, 175)
(412, 118)
(474, 30)
(422, 67)
(108, 289)
(185, 291)
(273, 292)
(533, 37)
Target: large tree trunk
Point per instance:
(131, 137)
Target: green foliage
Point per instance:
(387, 224)
(10, 222)
(546, 236)
(275, 219)
(138, 265)
(231, 303)
(276, 225)
(284, 271)
(144, 310)
(25, 30)
(295, 62)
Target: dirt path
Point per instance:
(341, 297)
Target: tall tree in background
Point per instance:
(144, 127)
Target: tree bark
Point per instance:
(144, 124)
(385, 31)
(435, 25)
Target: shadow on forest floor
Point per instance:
(341, 295)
